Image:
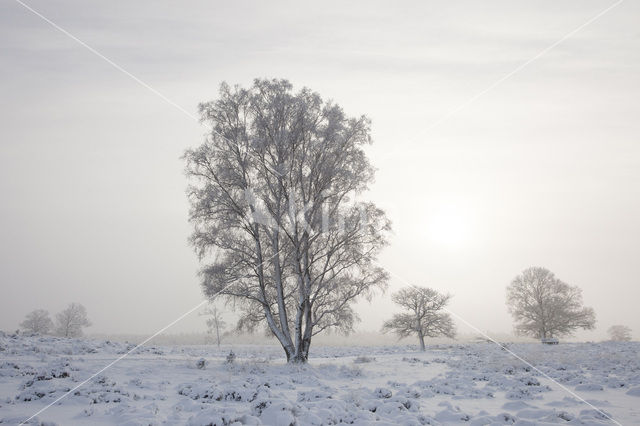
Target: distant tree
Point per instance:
(620, 333)
(38, 322)
(273, 193)
(544, 307)
(215, 323)
(71, 321)
(424, 317)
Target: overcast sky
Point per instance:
(542, 170)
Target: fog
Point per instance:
(541, 170)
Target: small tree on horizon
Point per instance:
(38, 322)
(620, 333)
(215, 323)
(543, 306)
(71, 321)
(424, 317)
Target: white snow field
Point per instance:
(475, 383)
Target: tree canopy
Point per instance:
(71, 321)
(619, 333)
(423, 316)
(274, 205)
(38, 322)
(543, 306)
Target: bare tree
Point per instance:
(273, 190)
(620, 333)
(545, 307)
(424, 317)
(215, 323)
(38, 322)
(71, 321)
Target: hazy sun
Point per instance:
(448, 226)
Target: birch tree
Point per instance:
(274, 203)
(543, 306)
(423, 316)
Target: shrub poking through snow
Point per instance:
(363, 359)
(201, 364)
(382, 393)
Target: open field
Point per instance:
(476, 383)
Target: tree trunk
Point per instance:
(284, 340)
(303, 341)
(298, 328)
(282, 308)
(308, 331)
(422, 346)
(303, 334)
(298, 358)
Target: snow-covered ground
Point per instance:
(475, 383)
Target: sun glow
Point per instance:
(448, 226)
